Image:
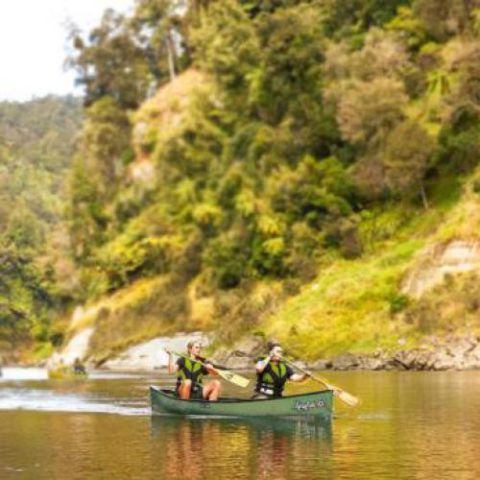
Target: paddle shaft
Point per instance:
(313, 377)
(214, 365)
(346, 397)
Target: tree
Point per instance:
(226, 46)
(356, 15)
(460, 135)
(443, 19)
(96, 173)
(105, 141)
(292, 45)
(111, 63)
(382, 55)
(407, 153)
(85, 213)
(368, 111)
(161, 27)
(464, 99)
(24, 299)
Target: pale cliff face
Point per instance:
(457, 256)
(77, 347)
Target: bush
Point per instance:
(345, 236)
(228, 261)
(459, 150)
(398, 302)
(129, 257)
(268, 256)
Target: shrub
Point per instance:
(228, 261)
(398, 302)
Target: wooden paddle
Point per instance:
(222, 372)
(346, 397)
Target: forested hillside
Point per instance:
(272, 166)
(36, 145)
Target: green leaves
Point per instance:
(309, 113)
(25, 299)
(36, 144)
(226, 44)
(407, 154)
(369, 110)
(111, 63)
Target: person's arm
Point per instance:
(208, 368)
(172, 368)
(299, 377)
(296, 377)
(262, 364)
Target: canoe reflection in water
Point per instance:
(194, 447)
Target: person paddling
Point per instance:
(190, 372)
(273, 373)
(79, 367)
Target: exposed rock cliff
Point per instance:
(456, 256)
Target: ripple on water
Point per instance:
(43, 400)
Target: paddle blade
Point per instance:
(234, 378)
(347, 398)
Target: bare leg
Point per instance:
(211, 391)
(185, 389)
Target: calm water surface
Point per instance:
(409, 426)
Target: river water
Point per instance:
(410, 425)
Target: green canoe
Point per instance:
(314, 404)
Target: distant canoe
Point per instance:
(314, 404)
(65, 374)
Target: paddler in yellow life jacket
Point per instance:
(273, 373)
(190, 372)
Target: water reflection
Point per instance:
(419, 426)
(189, 447)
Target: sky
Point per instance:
(33, 43)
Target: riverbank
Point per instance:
(437, 354)
(450, 352)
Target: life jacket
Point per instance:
(273, 378)
(191, 370)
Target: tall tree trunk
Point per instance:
(171, 58)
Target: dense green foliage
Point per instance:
(313, 117)
(36, 144)
(314, 114)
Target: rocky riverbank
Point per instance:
(452, 352)
(448, 353)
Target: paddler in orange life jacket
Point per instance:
(273, 373)
(190, 372)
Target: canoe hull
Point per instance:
(315, 404)
(66, 375)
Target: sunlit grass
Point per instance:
(348, 307)
(353, 305)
